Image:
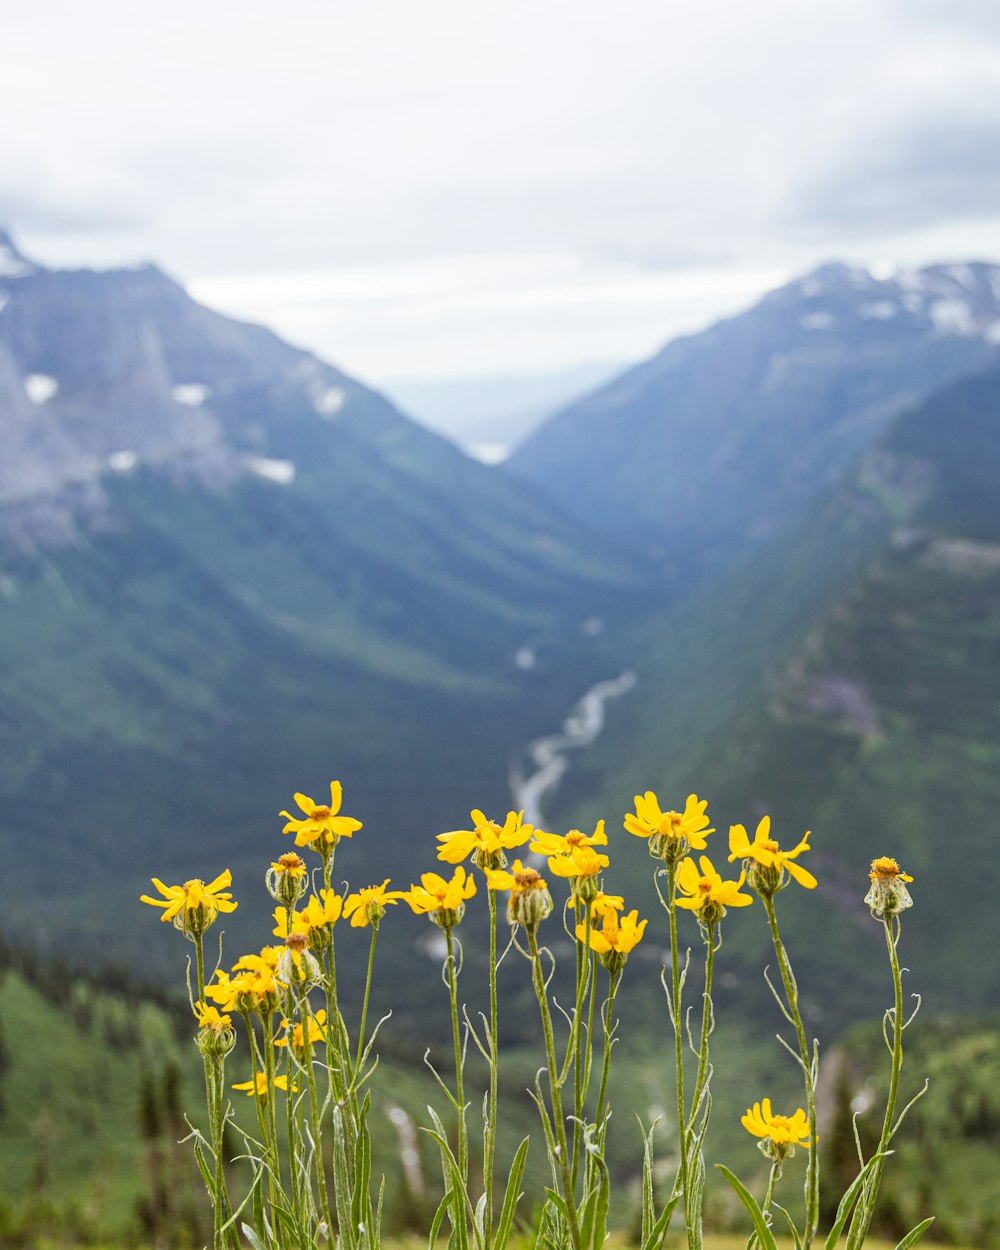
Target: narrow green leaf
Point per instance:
(791, 1225)
(443, 1207)
(206, 1171)
(512, 1195)
(659, 1229)
(756, 1214)
(251, 1236)
(847, 1202)
(914, 1235)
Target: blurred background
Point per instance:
(514, 406)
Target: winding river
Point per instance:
(543, 763)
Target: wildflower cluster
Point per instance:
(313, 1183)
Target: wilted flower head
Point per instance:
(298, 965)
(287, 879)
(530, 901)
(888, 894)
(670, 834)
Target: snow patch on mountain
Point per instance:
(952, 316)
(280, 471)
(40, 387)
(329, 401)
(190, 394)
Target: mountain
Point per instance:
(844, 679)
(707, 450)
(227, 572)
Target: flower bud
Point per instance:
(765, 879)
(669, 849)
(216, 1036)
(489, 860)
(448, 917)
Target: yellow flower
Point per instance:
(194, 905)
(316, 1032)
(530, 901)
(600, 904)
(708, 894)
(550, 844)
(767, 859)
(615, 938)
(887, 895)
(582, 861)
(286, 922)
(322, 828)
(254, 987)
(486, 841)
(258, 1085)
(368, 906)
(443, 901)
(780, 1134)
(323, 912)
(215, 1032)
(573, 856)
(670, 834)
(209, 1018)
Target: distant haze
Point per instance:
(489, 416)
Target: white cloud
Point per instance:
(450, 187)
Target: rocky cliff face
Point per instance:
(104, 372)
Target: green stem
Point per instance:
(364, 1007)
(489, 1145)
(775, 1175)
(456, 1037)
(324, 1201)
(260, 1106)
(574, 1048)
(706, 1026)
(865, 1209)
(607, 1017)
(555, 1092)
(683, 1174)
(792, 1000)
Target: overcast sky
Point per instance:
(441, 188)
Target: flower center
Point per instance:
(296, 941)
(705, 886)
(885, 868)
(575, 838)
(671, 824)
(320, 812)
(772, 847)
(528, 879)
(288, 863)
